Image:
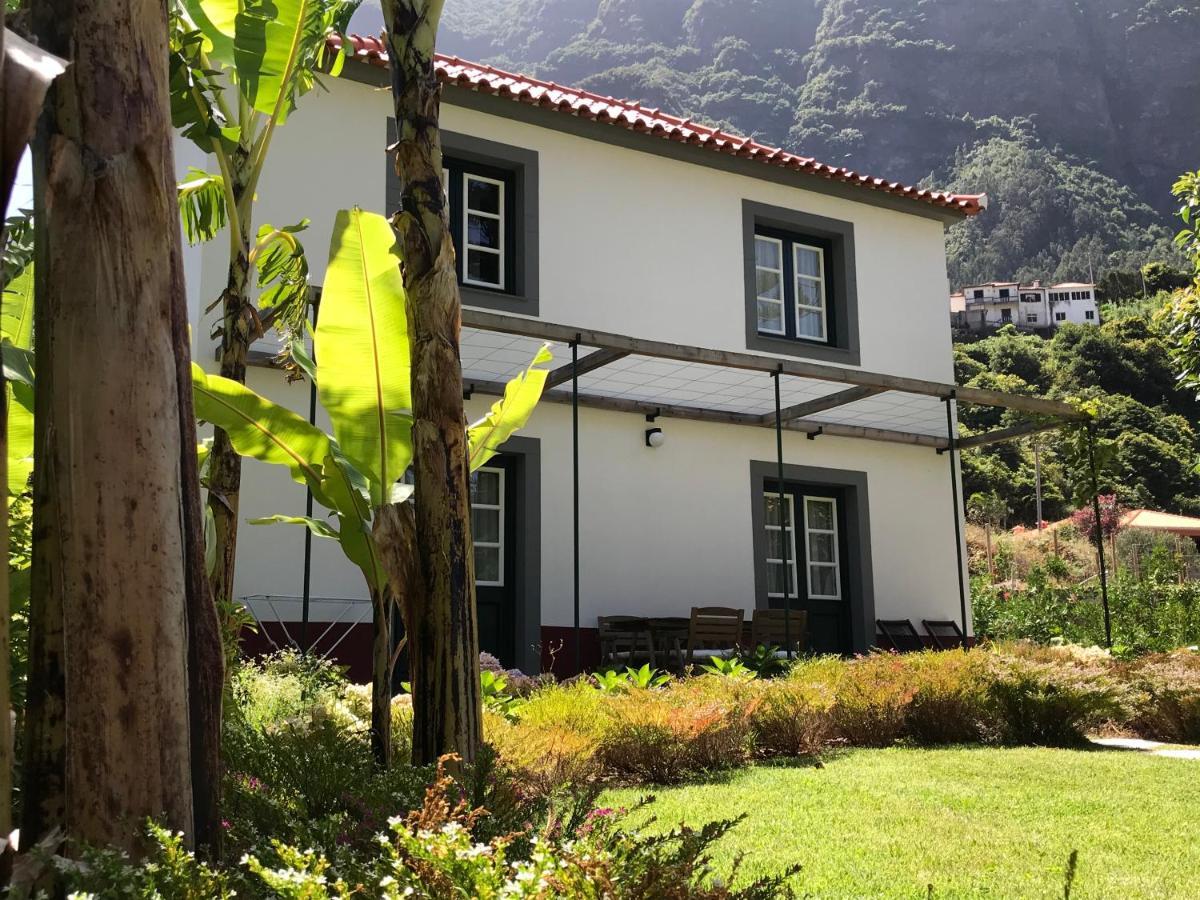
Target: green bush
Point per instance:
(1166, 703)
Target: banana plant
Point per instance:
(237, 71)
(16, 335)
(362, 374)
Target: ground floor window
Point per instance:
(820, 559)
(781, 534)
(821, 540)
(487, 526)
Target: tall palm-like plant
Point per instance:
(363, 380)
(238, 69)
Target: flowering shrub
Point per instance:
(1084, 519)
(435, 852)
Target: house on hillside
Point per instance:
(1033, 307)
(713, 289)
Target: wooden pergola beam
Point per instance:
(594, 360)
(1000, 435)
(821, 404)
(704, 414)
(537, 328)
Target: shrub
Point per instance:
(949, 698)
(1050, 703)
(1166, 704)
(670, 735)
(871, 696)
(791, 717)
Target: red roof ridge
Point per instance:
(635, 117)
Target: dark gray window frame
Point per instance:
(857, 539)
(527, 587)
(523, 164)
(842, 307)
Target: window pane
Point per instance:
(820, 548)
(770, 284)
(820, 515)
(775, 576)
(773, 509)
(808, 262)
(824, 580)
(483, 196)
(775, 545)
(487, 487)
(485, 525)
(810, 323)
(483, 266)
(808, 293)
(483, 232)
(766, 253)
(770, 316)
(487, 564)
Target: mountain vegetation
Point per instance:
(1066, 113)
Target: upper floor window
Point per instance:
(978, 295)
(492, 196)
(791, 277)
(801, 289)
(481, 217)
(1003, 292)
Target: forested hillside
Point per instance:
(1074, 116)
(1123, 366)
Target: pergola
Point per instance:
(654, 378)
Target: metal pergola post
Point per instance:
(1091, 442)
(952, 451)
(575, 495)
(783, 537)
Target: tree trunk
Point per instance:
(112, 540)
(441, 624)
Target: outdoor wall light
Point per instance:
(655, 437)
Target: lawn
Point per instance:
(969, 822)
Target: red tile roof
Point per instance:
(635, 117)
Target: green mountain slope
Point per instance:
(1096, 100)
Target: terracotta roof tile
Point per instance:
(625, 113)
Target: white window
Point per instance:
(1090, 315)
(487, 526)
(768, 271)
(781, 534)
(809, 265)
(1031, 318)
(820, 530)
(483, 231)
(1060, 317)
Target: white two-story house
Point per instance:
(695, 271)
(1027, 306)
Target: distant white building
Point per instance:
(1027, 306)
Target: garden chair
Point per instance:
(713, 631)
(945, 633)
(900, 634)
(775, 627)
(624, 639)
(670, 634)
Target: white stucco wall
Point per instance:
(637, 244)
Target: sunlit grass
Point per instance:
(969, 822)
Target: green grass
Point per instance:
(969, 822)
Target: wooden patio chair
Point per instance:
(901, 634)
(776, 627)
(945, 633)
(713, 631)
(624, 640)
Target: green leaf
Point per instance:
(20, 445)
(362, 349)
(349, 495)
(216, 21)
(275, 41)
(16, 310)
(194, 90)
(210, 540)
(317, 526)
(18, 364)
(261, 429)
(283, 276)
(202, 206)
(509, 413)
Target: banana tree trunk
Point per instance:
(110, 549)
(441, 626)
(381, 680)
(239, 326)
